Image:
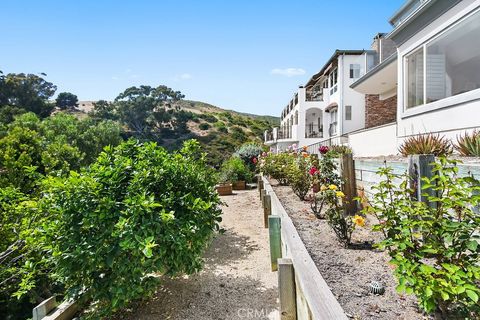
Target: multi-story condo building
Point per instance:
(325, 109)
(434, 75)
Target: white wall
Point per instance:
(450, 116)
(352, 97)
(379, 141)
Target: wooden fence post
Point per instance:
(420, 166)
(274, 230)
(263, 193)
(350, 185)
(260, 185)
(267, 209)
(287, 289)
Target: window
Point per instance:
(415, 78)
(372, 61)
(446, 66)
(333, 77)
(333, 122)
(348, 112)
(354, 71)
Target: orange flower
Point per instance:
(358, 220)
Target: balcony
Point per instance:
(269, 136)
(313, 131)
(314, 95)
(284, 133)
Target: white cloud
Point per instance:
(288, 72)
(183, 76)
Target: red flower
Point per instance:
(313, 171)
(254, 160)
(323, 149)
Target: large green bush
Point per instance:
(249, 153)
(234, 169)
(436, 248)
(136, 213)
(32, 148)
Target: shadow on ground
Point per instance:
(220, 291)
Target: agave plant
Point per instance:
(469, 144)
(426, 144)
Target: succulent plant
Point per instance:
(469, 144)
(426, 144)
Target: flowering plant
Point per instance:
(323, 149)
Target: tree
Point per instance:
(142, 108)
(103, 109)
(66, 100)
(26, 91)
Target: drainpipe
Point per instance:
(340, 105)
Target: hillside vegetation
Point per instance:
(219, 131)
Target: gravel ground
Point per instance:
(236, 282)
(348, 272)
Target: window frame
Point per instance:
(348, 111)
(441, 103)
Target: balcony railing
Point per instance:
(269, 136)
(285, 133)
(314, 95)
(313, 131)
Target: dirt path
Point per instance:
(236, 282)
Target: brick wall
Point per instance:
(378, 112)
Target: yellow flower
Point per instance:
(323, 187)
(340, 194)
(332, 187)
(358, 220)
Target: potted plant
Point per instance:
(235, 171)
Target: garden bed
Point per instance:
(348, 272)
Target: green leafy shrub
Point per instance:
(426, 144)
(469, 144)
(298, 176)
(208, 117)
(204, 126)
(25, 278)
(249, 153)
(435, 248)
(327, 194)
(32, 148)
(137, 212)
(234, 169)
(276, 165)
(338, 150)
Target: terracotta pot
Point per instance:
(239, 185)
(224, 189)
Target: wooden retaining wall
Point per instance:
(314, 300)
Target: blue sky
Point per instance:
(233, 54)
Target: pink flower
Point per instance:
(313, 171)
(323, 149)
(264, 154)
(254, 160)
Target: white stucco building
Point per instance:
(325, 109)
(435, 75)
